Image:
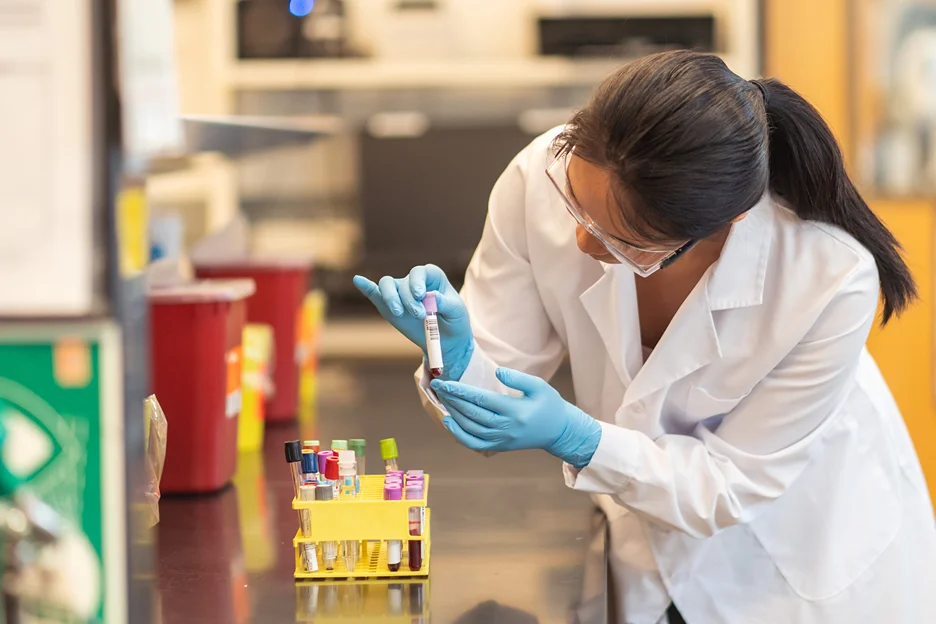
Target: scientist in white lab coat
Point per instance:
(713, 289)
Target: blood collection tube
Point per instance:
(359, 447)
(322, 458)
(324, 492)
(393, 491)
(417, 517)
(311, 445)
(433, 339)
(332, 475)
(309, 465)
(294, 460)
(414, 474)
(339, 445)
(389, 453)
(309, 557)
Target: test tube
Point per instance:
(433, 339)
(339, 445)
(417, 518)
(322, 459)
(359, 447)
(324, 492)
(294, 460)
(348, 475)
(394, 491)
(332, 475)
(309, 465)
(311, 445)
(389, 453)
(309, 557)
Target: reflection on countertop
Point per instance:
(509, 539)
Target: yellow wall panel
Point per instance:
(904, 350)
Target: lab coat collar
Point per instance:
(737, 278)
(691, 341)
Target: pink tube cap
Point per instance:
(392, 491)
(429, 301)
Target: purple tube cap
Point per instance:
(415, 473)
(392, 491)
(429, 302)
(414, 492)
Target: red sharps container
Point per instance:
(196, 356)
(281, 288)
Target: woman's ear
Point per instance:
(740, 217)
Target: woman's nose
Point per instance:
(588, 243)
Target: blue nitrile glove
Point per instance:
(484, 420)
(399, 302)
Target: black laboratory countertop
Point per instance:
(509, 540)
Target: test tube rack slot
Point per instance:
(369, 520)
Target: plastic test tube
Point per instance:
(309, 557)
(322, 459)
(417, 518)
(339, 445)
(389, 453)
(394, 491)
(359, 447)
(348, 475)
(324, 492)
(433, 339)
(309, 465)
(294, 460)
(311, 445)
(332, 475)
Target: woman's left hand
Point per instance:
(484, 420)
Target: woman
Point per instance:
(714, 297)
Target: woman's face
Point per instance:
(591, 188)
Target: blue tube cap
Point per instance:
(309, 462)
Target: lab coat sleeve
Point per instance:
(724, 475)
(508, 320)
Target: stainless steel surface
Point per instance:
(239, 134)
(509, 539)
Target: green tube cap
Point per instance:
(339, 445)
(358, 445)
(388, 449)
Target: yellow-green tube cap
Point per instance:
(339, 445)
(388, 449)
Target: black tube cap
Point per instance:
(293, 451)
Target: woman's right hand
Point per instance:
(399, 301)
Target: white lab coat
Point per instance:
(756, 468)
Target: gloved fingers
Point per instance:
(486, 399)
(465, 438)
(451, 306)
(468, 423)
(390, 295)
(435, 279)
(417, 282)
(412, 305)
(370, 290)
(469, 411)
(529, 385)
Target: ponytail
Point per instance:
(807, 172)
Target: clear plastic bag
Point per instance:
(155, 429)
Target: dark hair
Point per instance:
(692, 146)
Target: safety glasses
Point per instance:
(644, 262)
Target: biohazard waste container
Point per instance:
(281, 289)
(196, 354)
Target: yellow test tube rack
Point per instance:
(367, 518)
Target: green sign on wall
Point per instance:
(60, 403)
